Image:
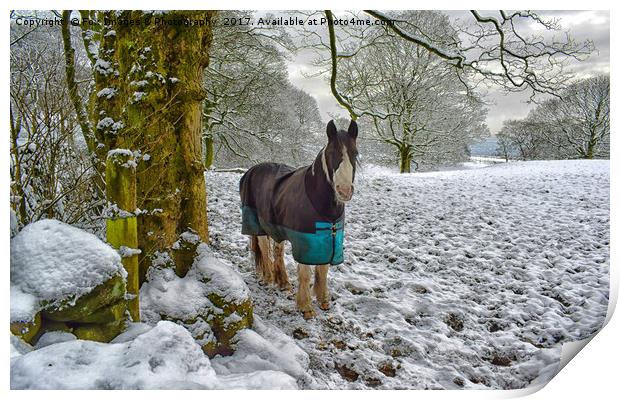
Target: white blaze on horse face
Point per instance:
(324, 162)
(343, 178)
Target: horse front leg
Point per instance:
(280, 267)
(320, 286)
(303, 298)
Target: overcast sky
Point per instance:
(593, 25)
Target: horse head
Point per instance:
(339, 159)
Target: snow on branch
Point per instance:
(493, 50)
(419, 40)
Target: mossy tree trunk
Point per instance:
(149, 93)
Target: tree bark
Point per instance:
(405, 160)
(209, 151)
(80, 111)
(17, 178)
(149, 83)
(592, 145)
(78, 104)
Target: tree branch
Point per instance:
(332, 81)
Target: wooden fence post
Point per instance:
(121, 224)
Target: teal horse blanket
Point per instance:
(274, 202)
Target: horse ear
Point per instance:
(331, 130)
(353, 129)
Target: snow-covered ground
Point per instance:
(145, 357)
(455, 279)
(467, 278)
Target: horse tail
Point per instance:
(255, 249)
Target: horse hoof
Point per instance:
(309, 314)
(287, 287)
(324, 306)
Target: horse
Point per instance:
(304, 206)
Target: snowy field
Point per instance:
(467, 278)
(454, 279)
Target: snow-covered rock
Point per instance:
(27, 330)
(54, 262)
(68, 275)
(212, 301)
(264, 348)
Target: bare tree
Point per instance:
(525, 138)
(577, 125)
(505, 148)
(252, 111)
(288, 121)
(413, 100)
(246, 68)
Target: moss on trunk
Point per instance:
(121, 227)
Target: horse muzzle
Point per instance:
(344, 193)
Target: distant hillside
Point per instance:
(486, 147)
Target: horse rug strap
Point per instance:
(274, 203)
